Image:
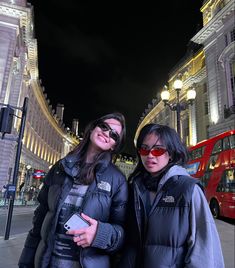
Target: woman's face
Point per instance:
(105, 135)
(152, 163)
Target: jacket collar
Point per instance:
(174, 170)
(72, 164)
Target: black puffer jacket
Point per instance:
(157, 234)
(105, 201)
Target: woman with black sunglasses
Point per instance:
(86, 186)
(169, 223)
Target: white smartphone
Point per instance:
(76, 222)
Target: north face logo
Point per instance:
(103, 185)
(169, 199)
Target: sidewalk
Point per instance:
(10, 250)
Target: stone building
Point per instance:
(45, 137)
(218, 39)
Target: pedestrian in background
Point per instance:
(5, 194)
(4, 189)
(85, 182)
(169, 223)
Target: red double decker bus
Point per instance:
(213, 162)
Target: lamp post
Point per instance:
(28, 168)
(16, 167)
(178, 106)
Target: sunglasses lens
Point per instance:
(154, 152)
(158, 151)
(143, 151)
(113, 135)
(103, 126)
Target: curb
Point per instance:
(12, 238)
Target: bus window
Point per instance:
(227, 182)
(217, 147)
(205, 178)
(197, 153)
(209, 168)
(232, 141)
(212, 162)
(226, 144)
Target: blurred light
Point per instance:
(178, 84)
(165, 95)
(191, 94)
(28, 167)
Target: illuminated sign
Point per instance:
(38, 174)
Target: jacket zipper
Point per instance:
(138, 209)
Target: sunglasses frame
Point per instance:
(112, 132)
(158, 151)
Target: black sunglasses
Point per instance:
(112, 132)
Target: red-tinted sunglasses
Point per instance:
(112, 132)
(155, 151)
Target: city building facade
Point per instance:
(45, 138)
(218, 39)
(209, 68)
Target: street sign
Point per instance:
(38, 174)
(10, 191)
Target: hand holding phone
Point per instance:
(85, 236)
(76, 222)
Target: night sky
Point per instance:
(115, 56)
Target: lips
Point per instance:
(150, 164)
(101, 137)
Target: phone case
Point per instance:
(76, 222)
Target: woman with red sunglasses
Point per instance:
(169, 223)
(84, 182)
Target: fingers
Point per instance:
(85, 236)
(87, 218)
(78, 238)
(81, 240)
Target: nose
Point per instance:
(106, 133)
(149, 155)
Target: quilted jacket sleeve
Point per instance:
(110, 235)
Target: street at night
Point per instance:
(124, 114)
(21, 223)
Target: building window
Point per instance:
(206, 107)
(205, 88)
(226, 39)
(232, 35)
(232, 80)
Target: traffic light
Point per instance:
(6, 119)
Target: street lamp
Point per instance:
(26, 181)
(28, 168)
(178, 106)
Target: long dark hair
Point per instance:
(88, 173)
(170, 139)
